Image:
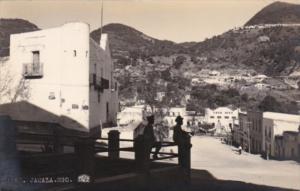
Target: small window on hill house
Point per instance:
(74, 53)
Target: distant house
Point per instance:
(160, 96)
(263, 38)
(262, 86)
(214, 73)
(196, 82)
(259, 78)
(69, 77)
(172, 113)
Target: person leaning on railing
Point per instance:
(182, 139)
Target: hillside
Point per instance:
(140, 60)
(127, 41)
(273, 51)
(12, 26)
(278, 12)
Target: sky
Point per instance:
(176, 20)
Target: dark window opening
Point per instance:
(85, 107)
(34, 68)
(75, 106)
(107, 111)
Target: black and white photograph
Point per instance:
(149, 95)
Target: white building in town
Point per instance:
(222, 118)
(66, 75)
(262, 86)
(132, 114)
(172, 113)
(276, 124)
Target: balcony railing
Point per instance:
(33, 70)
(99, 83)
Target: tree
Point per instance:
(10, 89)
(269, 103)
(179, 61)
(244, 97)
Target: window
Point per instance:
(107, 111)
(36, 57)
(34, 68)
(75, 106)
(51, 96)
(212, 117)
(219, 117)
(74, 53)
(85, 107)
(226, 117)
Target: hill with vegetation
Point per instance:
(144, 63)
(12, 26)
(277, 12)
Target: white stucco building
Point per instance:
(222, 117)
(172, 114)
(67, 77)
(275, 124)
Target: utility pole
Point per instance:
(101, 25)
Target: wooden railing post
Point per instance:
(113, 144)
(9, 161)
(184, 155)
(58, 147)
(84, 149)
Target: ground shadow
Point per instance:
(204, 180)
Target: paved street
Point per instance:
(223, 162)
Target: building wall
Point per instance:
(103, 103)
(221, 117)
(65, 75)
(256, 134)
(276, 124)
(63, 94)
(241, 131)
(268, 137)
(290, 144)
(279, 147)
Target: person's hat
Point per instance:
(179, 119)
(150, 118)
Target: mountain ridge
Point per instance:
(12, 26)
(276, 13)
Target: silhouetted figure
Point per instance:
(179, 135)
(181, 138)
(158, 134)
(143, 144)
